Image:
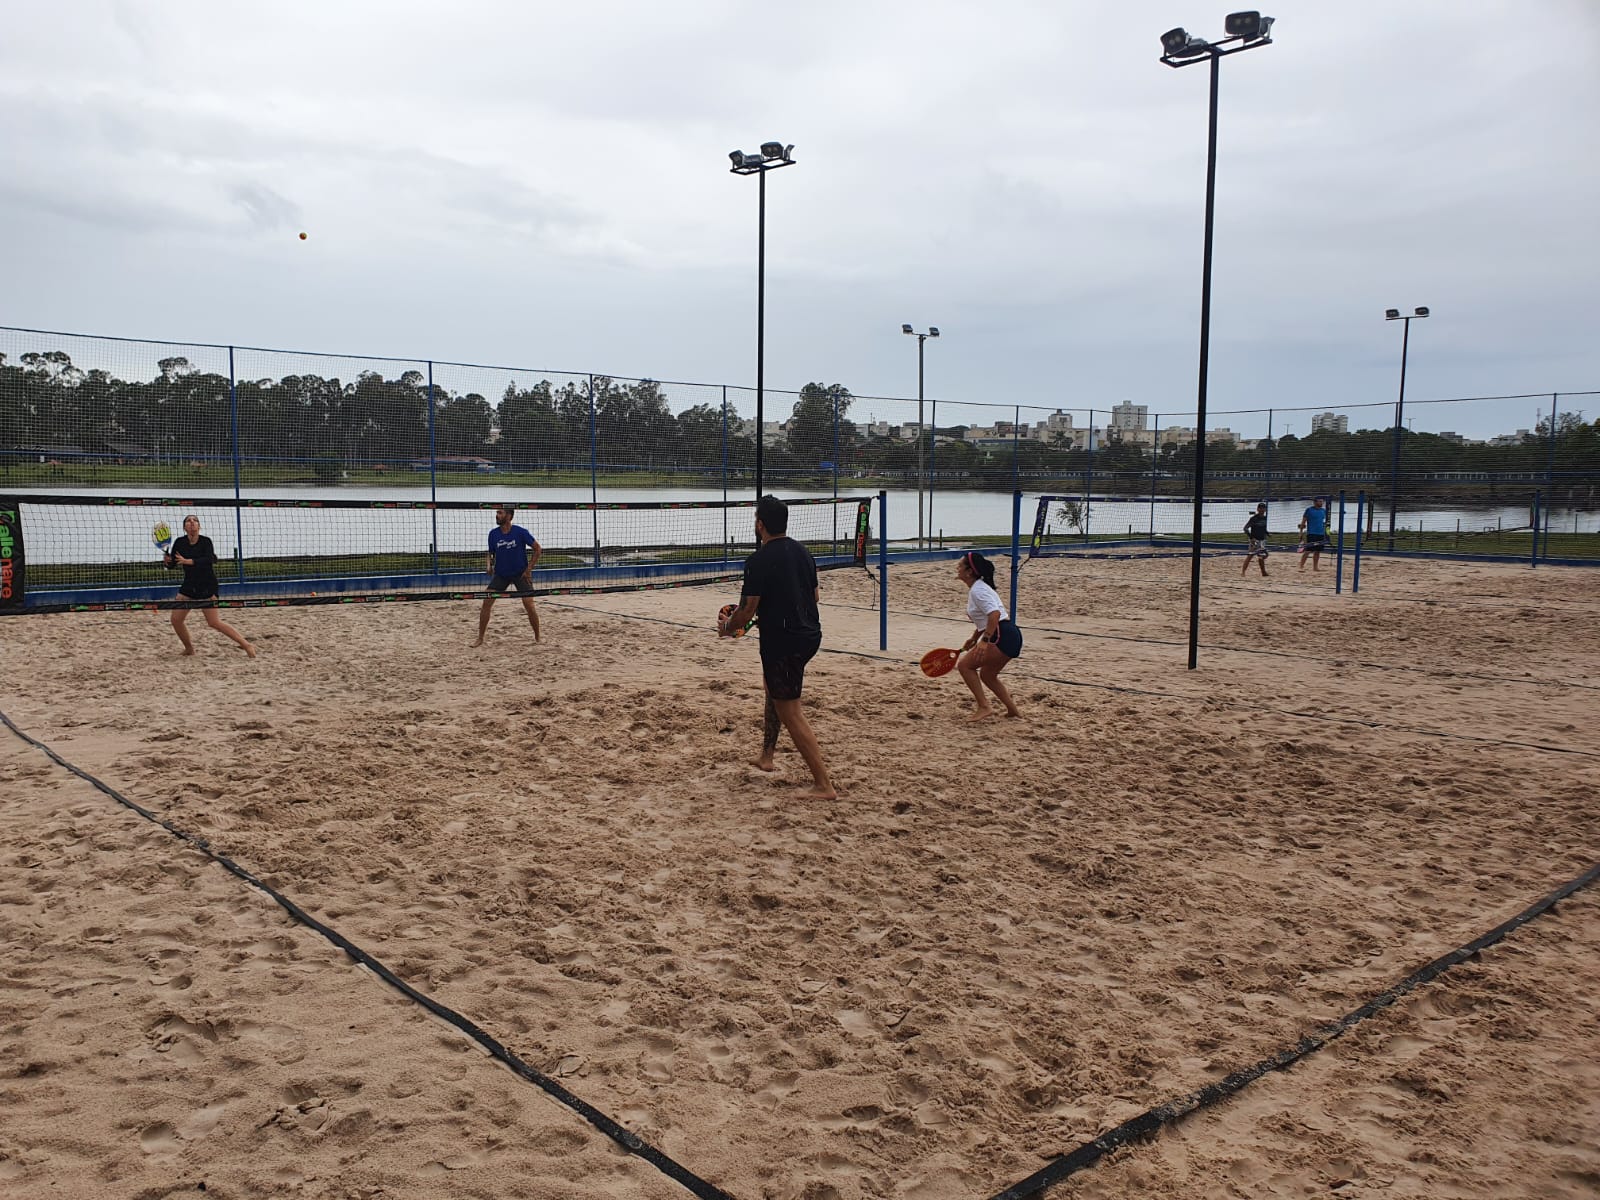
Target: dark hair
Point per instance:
(774, 514)
(508, 509)
(979, 566)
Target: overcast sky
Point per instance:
(546, 185)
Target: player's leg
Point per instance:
(179, 616)
(525, 590)
(483, 619)
(770, 728)
(216, 622)
(968, 665)
(805, 741)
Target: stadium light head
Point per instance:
(1391, 314)
(736, 157)
(1247, 25)
(776, 150)
(1175, 41)
(1422, 312)
(907, 329)
(933, 331)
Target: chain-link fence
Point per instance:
(110, 414)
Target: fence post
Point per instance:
(933, 445)
(836, 473)
(1016, 546)
(883, 570)
(1355, 574)
(238, 519)
(433, 469)
(594, 477)
(1338, 557)
(1534, 560)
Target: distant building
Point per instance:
(1332, 422)
(1129, 416)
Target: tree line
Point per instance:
(51, 408)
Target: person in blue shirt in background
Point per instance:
(510, 566)
(1315, 526)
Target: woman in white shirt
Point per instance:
(995, 639)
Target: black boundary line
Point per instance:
(629, 1141)
(1151, 1120)
(1433, 672)
(1329, 718)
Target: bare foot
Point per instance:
(981, 714)
(1013, 712)
(818, 792)
(249, 651)
(188, 652)
(765, 763)
(479, 642)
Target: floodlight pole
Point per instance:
(1399, 416)
(1205, 363)
(772, 156)
(1185, 52)
(933, 331)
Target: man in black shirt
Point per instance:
(1256, 530)
(780, 588)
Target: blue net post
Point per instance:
(724, 476)
(594, 477)
(1016, 547)
(883, 570)
(1016, 447)
(1355, 573)
(1338, 554)
(238, 518)
(1534, 560)
(1088, 482)
(836, 472)
(1155, 459)
(433, 472)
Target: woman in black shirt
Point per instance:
(198, 558)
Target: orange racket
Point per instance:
(726, 611)
(939, 662)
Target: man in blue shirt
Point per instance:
(510, 567)
(1315, 525)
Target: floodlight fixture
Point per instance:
(776, 150)
(1423, 311)
(906, 329)
(1391, 314)
(1175, 41)
(1247, 25)
(933, 331)
(736, 157)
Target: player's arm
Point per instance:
(533, 559)
(739, 617)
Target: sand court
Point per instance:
(1002, 940)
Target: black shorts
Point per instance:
(1009, 639)
(1316, 541)
(522, 583)
(785, 674)
(197, 601)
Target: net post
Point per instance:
(433, 469)
(238, 518)
(1338, 556)
(594, 478)
(1016, 546)
(1355, 572)
(883, 570)
(724, 476)
(1088, 483)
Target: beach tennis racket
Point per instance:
(939, 662)
(161, 535)
(726, 611)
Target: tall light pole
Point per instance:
(1393, 314)
(933, 331)
(772, 156)
(1244, 31)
